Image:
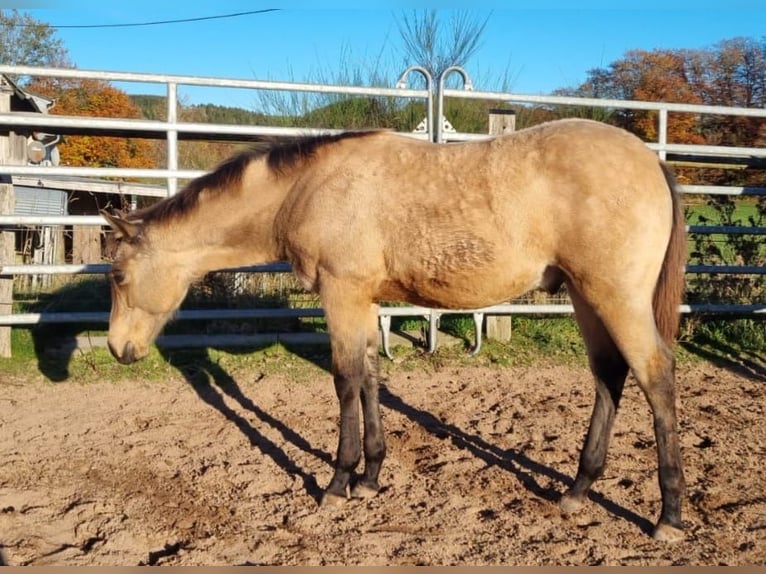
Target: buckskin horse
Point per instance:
(365, 217)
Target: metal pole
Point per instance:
(172, 135)
(401, 83)
(467, 85)
(663, 133)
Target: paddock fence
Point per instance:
(171, 130)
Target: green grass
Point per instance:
(535, 341)
(721, 247)
(703, 214)
(549, 340)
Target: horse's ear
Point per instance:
(122, 228)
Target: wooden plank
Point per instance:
(502, 122)
(11, 153)
(94, 186)
(86, 244)
(499, 326)
(716, 161)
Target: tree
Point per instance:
(428, 44)
(94, 98)
(738, 73)
(662, 78)
(26, 41)
(655, 76)
(732, 74)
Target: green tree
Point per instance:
(26, 41)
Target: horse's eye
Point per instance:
(118, 276)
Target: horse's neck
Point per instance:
(223, 233)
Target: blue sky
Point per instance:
(537, 49)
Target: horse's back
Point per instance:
(471, 224)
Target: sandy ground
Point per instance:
(229, 472)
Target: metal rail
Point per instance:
(172, 130)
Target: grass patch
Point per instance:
(554, 340)
(704, 214)
(535, 341)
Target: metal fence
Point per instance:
(172, 129)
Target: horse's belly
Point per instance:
(460, 291)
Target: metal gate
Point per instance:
(171, 130)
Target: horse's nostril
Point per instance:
(129, 353)
(127, 356)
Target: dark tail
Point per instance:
(669, 290)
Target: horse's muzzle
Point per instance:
(127, 356)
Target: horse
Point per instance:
(372, 216)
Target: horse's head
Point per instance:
(147, 288)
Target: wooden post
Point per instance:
(12, 152)
(86, 239)
(501, 122)
(86, 244)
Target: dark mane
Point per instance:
(285, 154)
(282, 155)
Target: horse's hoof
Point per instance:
(570, 504)
(330, 500)
(363, 491)
(668, 533)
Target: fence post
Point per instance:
(11, 152)
(502, 122)
(499, 326)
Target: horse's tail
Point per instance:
(669, 290)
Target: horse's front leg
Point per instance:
(374, 437)
(348, 320)
(348, 383)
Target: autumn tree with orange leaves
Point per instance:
(660, 76)
(94, 98)
(732, 73)
(656, 76)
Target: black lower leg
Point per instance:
(659, 388)
(610, 379)
(671, 479)
(671, 476)
(349, 451)
(374, 437)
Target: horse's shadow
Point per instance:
(54, 347)
(213, 384)
(747, 363)
(521, 466)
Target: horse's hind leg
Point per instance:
(610, 370)
(630, 322)
(655, 373)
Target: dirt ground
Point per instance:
(230, 472)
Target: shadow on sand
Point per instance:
(745, 363)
